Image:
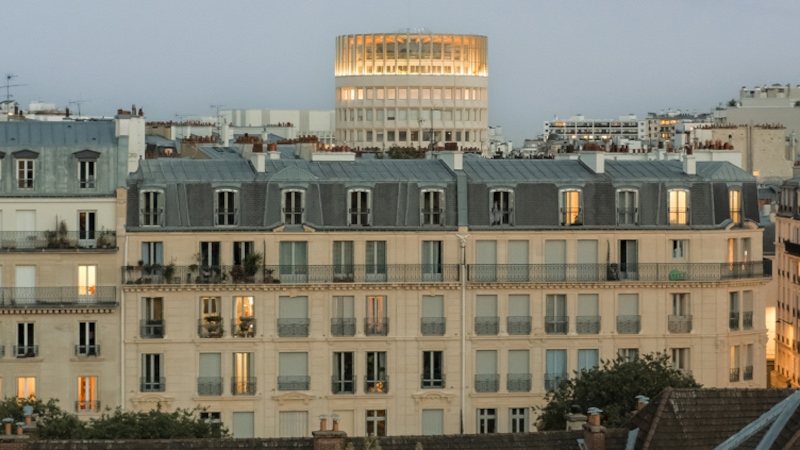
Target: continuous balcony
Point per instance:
(294, 274)
(57, 296)
(16, 241)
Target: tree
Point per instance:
(732, 103)
(613, 388)
(405, 153)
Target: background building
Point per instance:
(395, 89)
(578, 127)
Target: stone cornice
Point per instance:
(64, 310)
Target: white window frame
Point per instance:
(486, 416)
(373, 419)
(431, 216)
(680, 249)
(29, 171)
(429, 378)
(87, 282)
(224, 211)
(518, 420)
(678, 210)
(87, 333)
(631, 216)
(566, 212)
(149, 378)
(294, 213)
(28, 385)
(155, 214)
(356, 212)
(90, 181)
(498, 216)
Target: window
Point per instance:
(87, 226)
(293, 424)
(627, 207)
(588, 359)
(519, 371)
(502, 207)
(376, 323)
(26, 388)
(678, 207)
(518, 420)
(87, 394)
(432, 207)
(293, 318)
(87, 343)
(244, 380)
(152, 373)
(375, 261)
(293, 260)
(225, 208)
(571, 212)
(359, 207)
(293, 207)
(680, 359)
(152, 253)
(628, 354)
(376, 422)
(152, 211)
(25, 173)
(487, 322)
(26, 343)
(344, 381)
(432, 369)
(433, 321)
(152, 325)
(588, 320)
(209, 380)
(432, 261)
(86, 174)
(680, 249)
(486, 377)
(244, 322)
(734, 311)
(210, 417)
(243, 424)
(735, 201)
(556, 320)
(240, 251)
(680, 321)
(555, 368)
(87, 288)
(747, 310)
(432, 422)
(343, 322)
(210, 318)
(293, 371)
(376, 380)
(487, 420)
(628, 318)
(343, 261)
(628, 259)
(748, 368)
(734, 372)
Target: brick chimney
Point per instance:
(329, 439)
(641, 402)
(594, 434)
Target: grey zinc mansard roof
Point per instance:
(673, 170)
(367, 170)
(36, 133)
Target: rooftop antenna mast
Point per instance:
(78, 102)
(8, 85)
(217, 107)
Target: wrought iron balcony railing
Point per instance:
(57, 240)
(149, 384)
(487, 326)
(243, 327)
(553, 380)
(293, 383)
(376, 386)
(432, 381)
(343, 326)
(209, 386)
(151, 329)
(433, 326)
(244, 385)
(57, 296)
(26, 351)
(87, 406)
(291, 274)
(518, 325)
(680, 324)
(556, 324)
(518, 382)
(87, 350)
(748, 373)
(340, 385)
(487, 382)
(734, 374)
(293, 327)
(734, 321)
(629, 324)
(210, 327)
(587, 324)
(376, 326)
(747, 320)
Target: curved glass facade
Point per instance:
(426, 54)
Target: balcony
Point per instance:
(293, 327)
(209, 386)
(376, 386)
(376, 326)
(679, 324)
(243, 327)
(26, 351)
(487, 382)
(587, 324)
(556, 324)
(747, 320)
(14, 241)
(630, 324)
(245, 385)
(748, 373)
(518, 382)
(291, 274)
(341, 385)
(433, 326)
(57, 296)
(432, 381)
(733, 321)
(487, 326)
(792, 248)
(210, 327)
(568, 273)
(151, 329)
(343, 326)
(553, 380)
(87, 406)
(152, 384)
(87, 350)
(734, 375)
(518, 325)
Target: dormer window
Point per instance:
(226, 212)
(293, 207)
(86, 174)
(152, 211)
(359, 207)
(570, 203)
(502, 207)
(627, 207)
(735, 202)
(678, 207)
(432, 207)
(25, 173)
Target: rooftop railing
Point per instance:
(57, 240)
(57, 296)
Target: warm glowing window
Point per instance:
(352, 95)
(361, 93)
(87, 287)
(678, 207)
(26, 388)
(243, 370)
(376, 422)
(735, 199)
(379, 93)
(571, 213)
(376, 379)
(87, 394)
(244, 321)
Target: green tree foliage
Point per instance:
(55, 423)
(405, 153)
(613, 387)
(732, 103)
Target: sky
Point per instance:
(598, 58)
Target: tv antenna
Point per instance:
(217, 107)
(8, 85)
(78, 103)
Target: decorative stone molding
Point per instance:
(51, 311)
(432, 396)
(293, 397)
(151, 401)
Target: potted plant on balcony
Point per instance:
(213, 325)
(63, 235)
(251, 264)
(104, 239)
(169, 272)
(268, 278)
(237, 273)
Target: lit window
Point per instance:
(243, 318)
(571, 213)
(376, 422)
(87, 278)
(678, 207)
(26, 388)
(376, 379)
(735, 200)
(87, 394)
(244, 381)
(25, 173)
(359, 207)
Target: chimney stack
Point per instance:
(329, 439)
(594, 160)
(690, 165)
(8, 421)
(594, 434)
(323, 422)
(642, 401)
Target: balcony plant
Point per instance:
(213, 325)
(104, 239)
(268, 278)
(251, 264)
(237, 273)
(169, 272)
